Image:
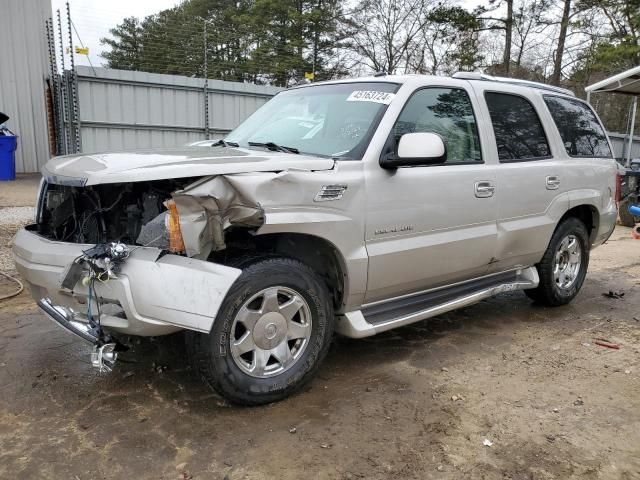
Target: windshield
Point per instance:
(329, 120)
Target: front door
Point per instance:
(431, 225)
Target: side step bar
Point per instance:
(380, 317)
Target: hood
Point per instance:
(143, 165)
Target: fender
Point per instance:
(342, 232)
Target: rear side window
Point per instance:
(579, 128)
(517, 128)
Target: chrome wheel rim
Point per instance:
(270, 332)
(568, 260)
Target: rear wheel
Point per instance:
(626, 218)
(564, 265)
(270, 335)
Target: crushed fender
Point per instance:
(207, 208)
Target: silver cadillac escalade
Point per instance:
(352, 206)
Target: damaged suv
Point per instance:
(353, 206)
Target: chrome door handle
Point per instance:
(484, 189)
(553, 182)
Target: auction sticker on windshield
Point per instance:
(371, 96)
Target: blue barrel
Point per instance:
(8, 145)
(634, 210)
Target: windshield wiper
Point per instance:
(223, 143)
(274, 147)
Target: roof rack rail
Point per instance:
(512, 81)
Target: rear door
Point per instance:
(531, 190)
(585, 147)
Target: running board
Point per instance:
(382, 316)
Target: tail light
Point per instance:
(172, 223)
(619, 180)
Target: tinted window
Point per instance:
(579, 128)
(519, 133)
(447, 112)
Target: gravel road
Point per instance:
(11, 219)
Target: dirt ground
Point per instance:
(500, 390)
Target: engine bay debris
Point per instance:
(188, 215)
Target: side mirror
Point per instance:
(416, 149)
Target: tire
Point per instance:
(626, 219)
(247, 378)
(553, 290)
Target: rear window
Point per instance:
(517, 128)
(579, 128)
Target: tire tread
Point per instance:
(547, 293)
(199, 346)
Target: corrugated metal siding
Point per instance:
(121, 110)
(23, 76)
(620, 144)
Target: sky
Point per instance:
(93, 19)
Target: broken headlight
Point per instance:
(163, 231)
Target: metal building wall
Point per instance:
(121, 110)
(620, 144)
(23, 78)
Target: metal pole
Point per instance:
(65, 121)
(206, 84)
(74, 88)
(53, 88)
(631, 129)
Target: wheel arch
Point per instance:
(316, 252)
(588, 215)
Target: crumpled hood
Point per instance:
(141, 165)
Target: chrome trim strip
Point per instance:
(330, 192)
(64, 318)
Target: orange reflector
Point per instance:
(172, 222)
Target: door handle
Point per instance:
(484, 189)
(553, 182)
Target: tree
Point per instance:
(384, 32)
(528, 29)
(620, 49)
(508, 31)
(126, 45)
(613, 49)
(500, 23)
(294, 37)
(261, 41)
(562, 38)
(448, 42)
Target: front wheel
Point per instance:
(270, 335)
(564, 265)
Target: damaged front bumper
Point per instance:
(104, 355)
(154, 294)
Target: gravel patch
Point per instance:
(12, 219)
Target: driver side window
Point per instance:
(447, 112)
